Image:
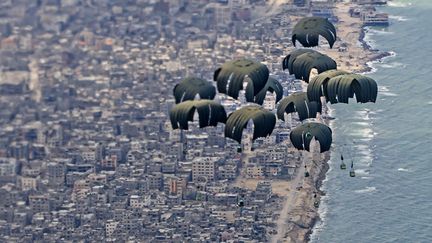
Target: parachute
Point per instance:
(263, 120)
(302, 135)
(318, 85)
(338, 86)
(342, 87)
(272, 85)
(235, 72)
(287, 62)
(301, 62)
(308, 30)
(189, 87)
(210, 113)
(298, 102)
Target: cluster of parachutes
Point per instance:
(229, 80)
(334, 85)
(338, 86)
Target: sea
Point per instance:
(390, 141)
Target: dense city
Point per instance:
(87, 151)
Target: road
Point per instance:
(246, 154)
(291, 196)
(273, 7)
(34, 84)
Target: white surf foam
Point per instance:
(368, 189)
(389, 94)
(398, 18)
(392, 54)
(361, 123)
(368, 39)
(365, 140)
(320, 225)
(373, 63)
(375, 31)
(398, 4)
(384, 90)
(404, 170)
(362, 133)
(362, 172)
(392, 65)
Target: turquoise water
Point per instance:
(390, 199)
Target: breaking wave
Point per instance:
(398, 18)
(368, 189)
(398, 4)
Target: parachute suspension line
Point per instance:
(307, 108)
(342, 165)
(352, 154)
(347, 150)
(239, 149)
(252, 144)
(352, 171)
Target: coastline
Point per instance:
(298, 215)
(380, 55)
(358, 57)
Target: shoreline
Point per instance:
(373, 55)
(380, 54)
(298, 215)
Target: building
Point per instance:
(28, 183)
(374, 19)
(110, 227)
(263, 190)
(204, 167)
(136, 201)
(7, 166)
(255, 171)
(109, 163)
(56, 173)
(39, 203)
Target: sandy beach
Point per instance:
(350, 34)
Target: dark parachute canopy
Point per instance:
(287, 62)
(272, 85)
(302, 135)
(298, 102)
(308, 30)
(236, 71)
(189, 87)
(263, 120)
(301, 62)
(209, 112)
(342, 87)
(318, 85)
